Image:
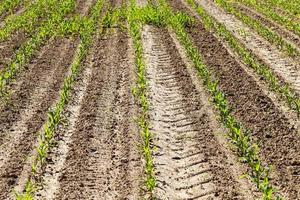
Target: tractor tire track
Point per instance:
(283, 66)
(189, 161)
(277, 138)
(103, 160)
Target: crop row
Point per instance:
(273, 15)
(265, 32)
(26, 51)
(134, 17)
(274, 84)
(27, 21)
(87, 31)
(290, 7)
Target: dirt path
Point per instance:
(189, 161)
(103, 160)
(277, 139)
(285, 67)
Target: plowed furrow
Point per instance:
(103, 161)
(187, 156)
(282, 65)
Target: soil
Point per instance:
(9, 47)
(277, 139)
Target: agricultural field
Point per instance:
(157, 99)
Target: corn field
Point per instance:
(149, 99)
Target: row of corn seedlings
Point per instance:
(28, 20)
(26, 51)
(9, 5)
(271, 14)
(265, 32)
(274, 84)
(137, 17)
(87, 31)
(247, 150)
(140, 92)
(291, 8)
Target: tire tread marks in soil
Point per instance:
(100, 161)
(277, 139)
(189, 162)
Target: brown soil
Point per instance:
(103, 160)
(22, 118)
(83, 6)
(278, 141)
(189, 161)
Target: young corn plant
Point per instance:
(134, 21)
(9, 5)
(34, 14)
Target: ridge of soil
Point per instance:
(189, 161)
(277, 139)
